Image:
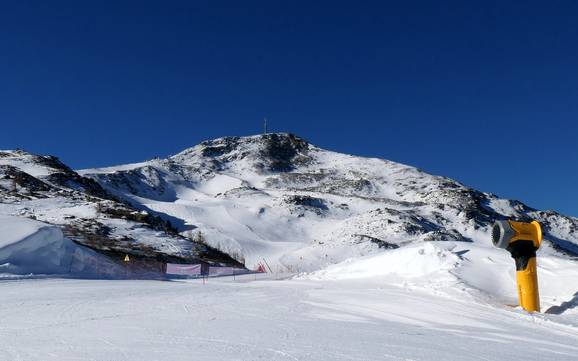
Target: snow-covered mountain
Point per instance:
(300, 208)
(45, 189)
(385, 246)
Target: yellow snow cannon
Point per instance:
(522, 240)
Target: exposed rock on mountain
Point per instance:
(278, 197)
(43, 188)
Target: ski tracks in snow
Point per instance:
(70, 320)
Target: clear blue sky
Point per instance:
(485, 93)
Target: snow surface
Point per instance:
(483, 273)
(31, 248)
(392, 263)
(43, 188)
(28, 246)
(324, 208)
(362, 319)
(15, 229)
(116, 168)
(27, 163)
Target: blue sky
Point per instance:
(485, 93)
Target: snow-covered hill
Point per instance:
(45, 189)
(279, 198)
(399, 262)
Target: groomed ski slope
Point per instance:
(445, 294)
(306, 318)
(430, 301)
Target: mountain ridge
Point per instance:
(277, 196)
(273, 197)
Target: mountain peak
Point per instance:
(278, 196)
(274, 152)
(35, 165)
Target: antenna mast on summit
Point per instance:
(264, 125)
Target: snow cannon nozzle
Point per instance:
(506, 233)
(522, 240)
(502, 233)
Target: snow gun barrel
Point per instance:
(522, 240)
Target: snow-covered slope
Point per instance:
(29, 247)
(400, 263)
(43, 188)
(268, 320)
(279, 198)
(460, 271)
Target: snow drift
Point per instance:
(485, 274)
(28, 247)
(414, 261)
(32, 247)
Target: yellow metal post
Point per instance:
(528, 293)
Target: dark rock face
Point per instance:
(305, 179)
(53, 162)
(307, 201)
(284, 152)
(471, 203)
(59, 175)
(31, 184)
(212, 149)
(99, 237)
(446, 235)
(83, 184)
(380, 243)
(275, 152)
(345, 187)
(64, 176)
